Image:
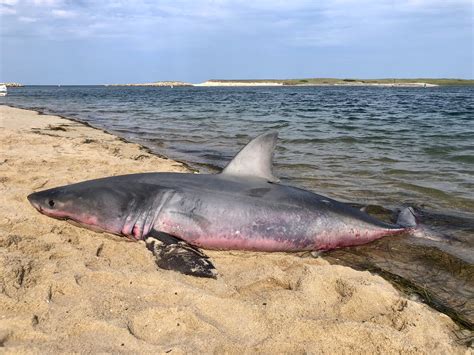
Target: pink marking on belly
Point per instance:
(136, 232)
(323, 241)
(222, 240)
(353, 238)
(242, 243)
(91, 220)
(127, 229)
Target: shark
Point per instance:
(244, 207)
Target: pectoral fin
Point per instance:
(174, 254)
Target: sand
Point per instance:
(67, 289)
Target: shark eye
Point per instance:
(51, 203)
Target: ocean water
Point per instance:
(384, 148)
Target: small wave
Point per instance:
(279, 125)
(309, 109)
(401, 172)
(463, 158)
(296, 166)
(343, 139)
(439, 150)
(303, 141)
(386, 160)
(427, 190)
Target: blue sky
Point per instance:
(102, 41)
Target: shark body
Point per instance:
(242, 208)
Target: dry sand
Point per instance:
(66, 289)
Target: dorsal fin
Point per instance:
(255, 159)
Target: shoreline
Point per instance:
(283, 84)
(186, 164)
(347, 82)
(97, 292)
(274, 84)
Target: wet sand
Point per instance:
(66, 289)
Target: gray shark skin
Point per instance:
(242, 208)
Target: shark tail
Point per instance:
(407, 218)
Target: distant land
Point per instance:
(12, 85)
(157, 83)
(418, 82)
(346, 82)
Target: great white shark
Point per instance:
(242, 208)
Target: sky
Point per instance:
(104, 41)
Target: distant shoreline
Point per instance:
(244, 83)
(419, 82)
(405, 83)
(12, 85)
(157, 83)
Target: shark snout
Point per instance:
(34, 200)
(45, 202)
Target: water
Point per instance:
(370, 146)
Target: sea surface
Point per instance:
(376, 147)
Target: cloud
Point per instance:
(4, 10)
(63, 13)
(177, 23)
(8, 2)
(27, 19)
(46, 3)
(7, 7)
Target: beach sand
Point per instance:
(67, 289)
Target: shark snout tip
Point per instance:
(32, 199)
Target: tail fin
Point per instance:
(407, 218)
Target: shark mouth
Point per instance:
(90, 223)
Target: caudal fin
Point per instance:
(407, 218)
